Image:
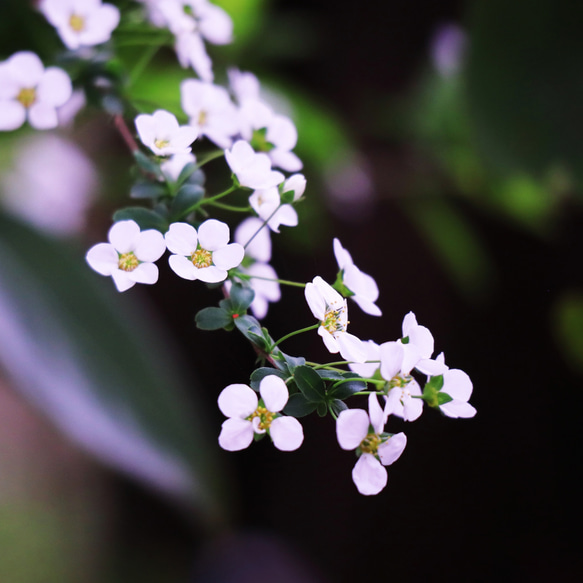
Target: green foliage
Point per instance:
(310, 384)
(213, 318)
(299, 406)
(146, 218)
(260, 373)
(186, 197)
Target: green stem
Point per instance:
(198, 204)
(282, 281)
(316, 366)
(228, 207)
(294, 334)
(206, 158)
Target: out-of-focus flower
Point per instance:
(363, 288)
(267, 204)
(210, 110)
(50, 185)
(329, 307)
(81, 23)
(175, 164)
(129, 256)
(162, 134)
(28, 90)
(448, 49)
(206, 254)
(255, 238)
(248, 416)
(251, 169)
(353, 429)
(191, 52)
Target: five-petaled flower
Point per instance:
(28, 90)
(206, 254)
(128, 257)
(248, 415)
(328, 306)
(357, 429)
(162, 134)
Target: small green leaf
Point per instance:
(241, 298)
(260, 373)
(443, 398)
(336, 406)
(299, 406)
(287, 197)
(213, 319)
(146, 218)
(144, 189)
(288, 363)
(191, 174)
(346, 389)
(322, 409)
(187, 196)
(251, 329)
(310, 384)
(331, 375)
(147, 165)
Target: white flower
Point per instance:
(361, 285)
(252, 170)
(210, 110)
(418, 347)
(457, 384)
(191, 52)
(175, 165)
(206, 255)
(247, 416)
(81, 23)
(328, 306)
(368, 369)
(296, 183)
(268, 132)
(355, 428)
(267, 204)
(51, 184)
(27, 90)
(128, 257)
(244, 85)
(255, 238)
(161, 133)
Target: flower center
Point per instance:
(161, 144)
(202, 258)
(128, 261)
(370, 443)
(400, 381)
(77, 23)
(265, 417)
(27, 97)
(202, 117)
(332, 321)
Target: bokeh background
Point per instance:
(442, 145)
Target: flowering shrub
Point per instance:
(397, 377)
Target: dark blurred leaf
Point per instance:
(524, 87)
(187, 195)
(147, 190)
(212, 318)
(260, 373)
(299, 406)
(146, 218)
(91, 360)
(241, 297)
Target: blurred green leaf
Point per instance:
(146, 218)
(95, 364)
(567, 324)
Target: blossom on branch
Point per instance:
(29, 91)
(161, 133)
(251, 169)
(128, 257)
(357, 429)
(247, 416)
(81, 23)
(205, 255)
(328, 306)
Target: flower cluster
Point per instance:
(399, 377)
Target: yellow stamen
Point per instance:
(77, 23)
(370, 443)
(202, 258)
(27, 97)
(128, 261)
(161, 144)
(332, 321)
(265, 416)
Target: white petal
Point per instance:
(55, 87)
(144, 273)
(391, 450)
(457, 384)
(342, 256)
(431, 367)
(376, 413)
(329, 340)
(367, 306)
(350, 346)
(369, 476)
(274, 393)
(211, 274)
(150, 245)
(236, 434)
(229, 256)
(12, 115)
(183, 267)
(237, 400)
(123, 235)
(391, 354)
(122, 280)
(213, 234)
(315, 301)
(409, 324)
(352, 427)
(412, 408)
(43, 116)
(287, 433)
(103, 258)
(252, 229)
(285, 160)
(458, 409)
(26, 68)
(146, 127)
(181, 238)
